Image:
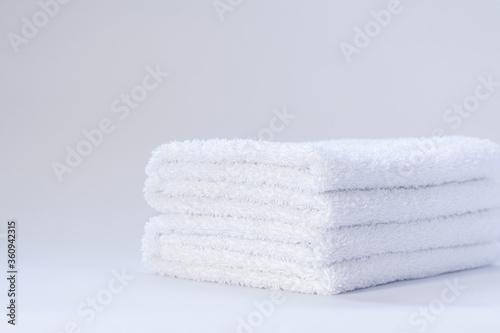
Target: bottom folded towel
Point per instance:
(222, 266)
(316, 246)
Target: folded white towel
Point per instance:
(328, 165)
(322, 217)
(247, 270)
(324, 210)
(317, 247)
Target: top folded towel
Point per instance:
(328, 165)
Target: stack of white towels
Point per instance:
(322, 217)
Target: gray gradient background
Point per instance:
(226, 77)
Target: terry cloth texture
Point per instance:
(322, 217)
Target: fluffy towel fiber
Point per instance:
(328, 165)
(333, 208)
(324, 217)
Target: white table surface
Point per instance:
(56, 277)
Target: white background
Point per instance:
(226, 78)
